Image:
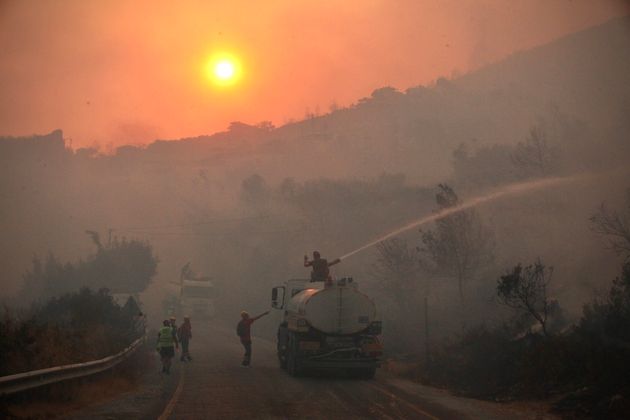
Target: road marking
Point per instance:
(171, 404)
(337, 400)
(375, 408)
(407, 403)
(380, 410)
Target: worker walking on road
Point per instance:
(166, 344)
(320, 266)
(243, 330)
(184, 334)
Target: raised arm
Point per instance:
(307, 263)
(260, 316)
(335, 261)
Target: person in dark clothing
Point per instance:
(244, 332)
(184, 334)
(320, 266)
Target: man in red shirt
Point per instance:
(184, 335)
(243, 329)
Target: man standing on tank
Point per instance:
(320, 266)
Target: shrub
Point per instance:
(501, 360)
(482, 362)
(72, 328)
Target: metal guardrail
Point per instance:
(11, 384)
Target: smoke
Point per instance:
(116, 55)
(509, 190)
(242, 204)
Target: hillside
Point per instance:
(584, 76)
(49, 195)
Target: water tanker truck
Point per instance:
(327, 325)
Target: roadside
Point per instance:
(73, 398)
(404, 376)
(146, 400)
(473, 408)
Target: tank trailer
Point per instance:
(327, 325)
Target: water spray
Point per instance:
(512, 189)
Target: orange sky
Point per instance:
(127, 72)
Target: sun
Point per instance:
(223, 69)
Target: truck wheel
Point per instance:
(282, 347)
(367, 373)
(293, 363)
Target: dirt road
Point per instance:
(214, 385)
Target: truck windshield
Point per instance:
(197, 292)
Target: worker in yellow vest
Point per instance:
(166, 344)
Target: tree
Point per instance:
(49, 277)
(459, 246)
(386, 93)
(536, 156)
(266, 126)
(397, 271)
(397, 267)
(122, 267)
(477, 165)
(610, 319)
(615, 226)
(254, 190)
(525, 290)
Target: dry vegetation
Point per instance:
(76, 327)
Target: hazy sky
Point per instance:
(123, 72)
